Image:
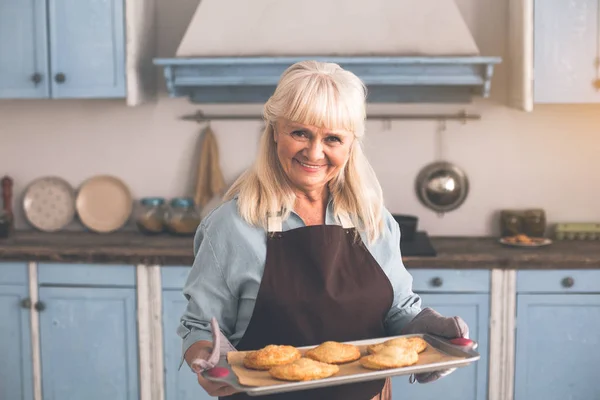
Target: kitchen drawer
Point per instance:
(13, 273)
(558, 281)
(174, 277)
(445, 280)
(59, 274)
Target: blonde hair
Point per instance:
(324, 95)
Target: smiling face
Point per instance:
(309, 155)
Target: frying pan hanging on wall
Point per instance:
(442, 186)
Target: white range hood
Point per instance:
(405, 50)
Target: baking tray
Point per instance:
(455, 356)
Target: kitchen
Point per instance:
(524, 151)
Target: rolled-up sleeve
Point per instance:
(208, 296)
(406, 304)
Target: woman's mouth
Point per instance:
(309, 167)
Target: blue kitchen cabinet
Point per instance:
(16, 376)
(557, 335)
(88, 331)
(87, 48)
(565, 52)
(23, 49)
(62, 49)
(180, 384)
(454, 292)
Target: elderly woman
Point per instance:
(303, 250)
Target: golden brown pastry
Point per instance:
(271, 356)
(390, 357)
(303, 369)
(413, 343)
(334, 353)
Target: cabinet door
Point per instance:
(16, 378)
(557, 347)
(467, 383)
(88, 343)
(179, 384)
(87, 45)
(23, 49)
(566, 51)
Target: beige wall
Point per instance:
(549, 158)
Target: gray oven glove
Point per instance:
(221, 346)
(432, 322)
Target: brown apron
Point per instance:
(319, 283)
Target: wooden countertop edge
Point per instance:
(134, 248)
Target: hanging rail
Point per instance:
(463, 116)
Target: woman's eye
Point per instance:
(334, 139)
(299, 134)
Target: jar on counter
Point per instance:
(150, 215)
(5, 224)
(183, 216)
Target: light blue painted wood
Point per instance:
(403, 79)
(180, 384)
(450, 280)
(174, 277)
(88, 343)
(467, 383)
(63, 274)
(557, 347)
(23, 49)
(16, 370)
(559, 281)
(13, 273)
(87, 45)
(565, 51)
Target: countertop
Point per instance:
(134, 248)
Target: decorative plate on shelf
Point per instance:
(525, 241)
(104, 203)
(49, 203)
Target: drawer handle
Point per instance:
(26, 303)
(568, 282)
(437, 281)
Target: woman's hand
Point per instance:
(432, 322)
(215, 389)
(202, 350)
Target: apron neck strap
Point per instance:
(274, 222)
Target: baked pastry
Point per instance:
(334, 353)
(414, 343)
(390, 357)
(271, 356)
(303, 369)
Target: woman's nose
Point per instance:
(314, 150)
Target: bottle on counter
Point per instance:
(150, 216)
(183, 217)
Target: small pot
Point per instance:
(408, 226)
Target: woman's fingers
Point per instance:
(215, 389)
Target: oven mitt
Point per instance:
(221, 346)
(432, 322)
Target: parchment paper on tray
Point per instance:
(255, 378)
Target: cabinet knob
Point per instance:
(36, 78)
(40, 306)
(437, 281)
(60, 77)
(26, 303)
(597, 84)
(568, 282)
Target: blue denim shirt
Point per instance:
(229, 262)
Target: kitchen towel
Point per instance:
(210, 180)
